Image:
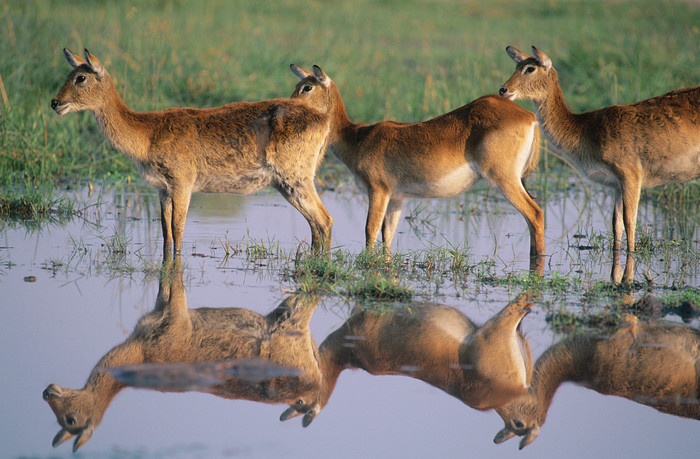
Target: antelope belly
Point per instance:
(449, 184)
(243, 183)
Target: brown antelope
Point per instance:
(484, 367)
(239, 148)
(171, 333)
(431, 159)
(626, 147)
(655, 364)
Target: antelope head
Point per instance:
(85, 85)
(522, 418)
(314, 88)
(308, 408)
(532, 76)
(76, 411)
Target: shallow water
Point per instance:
(67, 300)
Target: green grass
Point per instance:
(400, 59)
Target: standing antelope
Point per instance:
(484, 367)
(490, 137)
(655, 364)
(171, 333)
(237, 148)
(626, 147)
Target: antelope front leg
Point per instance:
(617, 222)
(305, 199)
(515, 192)
(181, 203)
(378, 202)
(630, 202)
(391, 222)
(166, 217)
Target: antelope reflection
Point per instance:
(173, 333)
(655, 364)
(484, 367)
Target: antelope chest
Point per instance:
(440, 186)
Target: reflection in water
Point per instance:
(171, 333)
(656, 364)
(484, 367)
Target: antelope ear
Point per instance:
(60, 437)
(83, 436)
(307, 419)
(542, 58)
(503, 435)
(516, 54)
(321, 76)
(529, 437)
(300, 72)
(289, 413)
(73, 59)
(94, 63)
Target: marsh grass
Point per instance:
(35, 205)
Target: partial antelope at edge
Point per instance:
(625, 147)
(655, 364)
(490, 137)
(239, 148)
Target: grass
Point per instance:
(34, 205)
(394, 59)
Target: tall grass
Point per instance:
(399, 59)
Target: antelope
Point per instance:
(626, 147)
(484, 367)
(207, 337)
(489, 137)
(239, 148)
(656, 364)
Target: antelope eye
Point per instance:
(518, 424)
(80, 78)
(70, 420)
(529, 69)
(307, 88)
(299, 402)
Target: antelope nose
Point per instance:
(501, 91)
(54, 103)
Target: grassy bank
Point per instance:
(405, 60)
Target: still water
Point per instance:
(64, 305)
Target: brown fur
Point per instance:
(627, 147)
(654, 364)
(171, 333)
(238, 148)
(484, 367)
(435, 158)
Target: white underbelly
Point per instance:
(243, 183)
(594, 171)
(449, 184)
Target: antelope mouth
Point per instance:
(62, 109)
(509, 95)
(50, 392)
